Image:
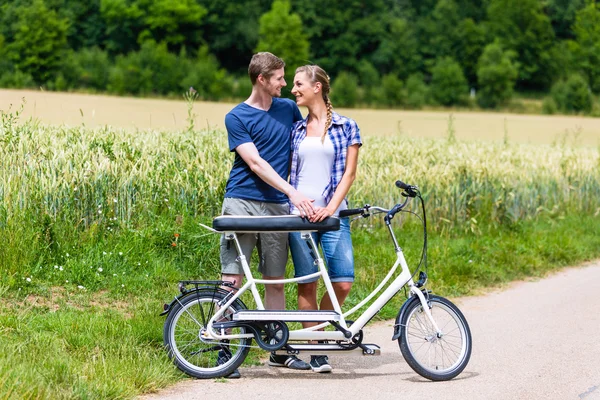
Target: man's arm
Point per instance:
(263, 169)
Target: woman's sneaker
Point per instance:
(291, 362)
(320, 364)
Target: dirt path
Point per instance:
(534, 340)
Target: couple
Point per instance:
(320, 154)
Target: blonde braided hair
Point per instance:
(318, 74)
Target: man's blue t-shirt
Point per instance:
(270, 131)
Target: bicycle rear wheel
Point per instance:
(189, 350)
(438, 357)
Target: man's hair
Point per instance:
(264, 64)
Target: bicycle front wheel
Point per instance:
(436, 356)
(192, 352)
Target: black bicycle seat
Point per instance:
(278, 223)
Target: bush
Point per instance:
(151, 70)
(393, 90)
(448, 83)
(88, 68)
(344, 90)
(206, 76)
(496, 75)
(549, 106)
(416, 92)
(573, 95)
(16, 79)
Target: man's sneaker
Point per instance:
(291, 362)
(222, 358)
(320, 364)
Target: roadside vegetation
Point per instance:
(98, 225)
(532, 57)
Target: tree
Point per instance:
(586, 48)
(398, 52)
(522, 26)
(281, 33)
(344, 90)
(448, 83)
(39, 41)
(496, 75)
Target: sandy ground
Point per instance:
(126, 112)
(534, 340)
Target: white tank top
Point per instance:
(315, 163)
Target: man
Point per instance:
(258, 131)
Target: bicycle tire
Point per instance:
(194, 356)
(433, 357)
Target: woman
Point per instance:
(324, 158)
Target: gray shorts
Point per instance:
(272, 247)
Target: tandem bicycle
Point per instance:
(208, 318)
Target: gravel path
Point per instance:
(535, 340)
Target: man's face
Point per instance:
(274, 84)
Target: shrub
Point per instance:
(206, 76)
(152, 69)
(448, 83)
(549, 106)
(573, 95)
(496, 75)
(416, 92)
(393, 90)
(344, 90)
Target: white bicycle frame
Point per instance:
(313, 333)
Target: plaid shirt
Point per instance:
(343, 133)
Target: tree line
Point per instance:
(379, 53)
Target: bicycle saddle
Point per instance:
(278, 223)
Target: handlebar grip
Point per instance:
(402, 185)
(351, 211)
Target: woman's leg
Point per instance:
(304, 265)
(337, 249)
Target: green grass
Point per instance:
(105, 341)
(98, 225)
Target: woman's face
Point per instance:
(305, 91)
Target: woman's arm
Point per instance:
(343, 188)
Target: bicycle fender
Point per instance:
(167, 307)
(397, 329)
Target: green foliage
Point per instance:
(281, 33)
(88, 69)
(496, 76)
(448, 83)
(586, 47)
(399, 50)
(344, 90)
(417, 92)
(38, 42)
(549, 106)
(573, 95)
(207, 77)
(393, 90)
(152, 70)
(523, 28)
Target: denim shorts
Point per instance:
(336, 247)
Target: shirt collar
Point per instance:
(336, 119)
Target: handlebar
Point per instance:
(409, 191)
